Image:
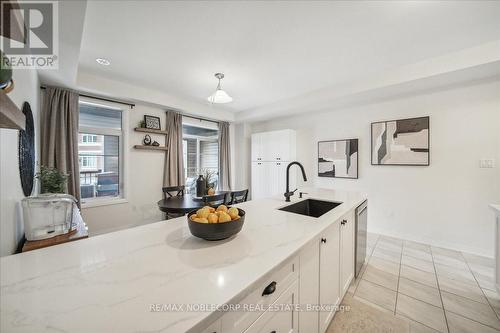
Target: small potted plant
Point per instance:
(52, 180)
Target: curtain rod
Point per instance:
(132, 105)
(199, 118)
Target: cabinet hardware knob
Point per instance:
(271, 288)
(323, 240)
(343, 222)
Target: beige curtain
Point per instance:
(174, 164)
(224, 157)
(59, 135)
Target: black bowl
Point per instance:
(216, 231)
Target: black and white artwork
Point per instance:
(338, 158)
(152, 122)
(401, 142)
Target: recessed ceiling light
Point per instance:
(102, 61)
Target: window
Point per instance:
(200, 146)
(100, 144)
(89, 138)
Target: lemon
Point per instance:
(222, 208)
(233, 212)
(203, 213)
(213, 218)
(224, 217)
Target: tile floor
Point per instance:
(436, 289)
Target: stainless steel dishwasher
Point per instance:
(361, 231)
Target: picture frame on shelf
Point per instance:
(152, 122)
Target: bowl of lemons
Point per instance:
(216, 223)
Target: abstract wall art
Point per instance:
(400, 142)
(338, 158)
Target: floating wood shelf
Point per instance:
(150, 147)
(149, 130)
(10, 115)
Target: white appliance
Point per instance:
(271, 153)
(47, 215)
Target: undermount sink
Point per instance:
(311, 207)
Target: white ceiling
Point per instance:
(273, 51)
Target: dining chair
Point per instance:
(172, 192)
(215, 200)
(238, 196)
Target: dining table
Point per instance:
(182, 204)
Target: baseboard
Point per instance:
(433, 242)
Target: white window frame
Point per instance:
(123, 153)
(89, 135)
(89, 158)
(186, 120)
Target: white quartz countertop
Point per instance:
(496, 208)
(108, 283)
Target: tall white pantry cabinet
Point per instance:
(271, 153)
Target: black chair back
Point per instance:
(173, 191)
(215, 200)
(238, 196)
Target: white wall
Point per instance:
(445, 204)
(143, 182)
(27, 89)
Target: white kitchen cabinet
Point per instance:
(329, 277)
(269, 179)
(283, 319)
(309, 287)
(259, 176)
(274, 146)
(269, 291)
(271, 153)
(257, 147)
(347, 261)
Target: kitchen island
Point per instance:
(159, 278)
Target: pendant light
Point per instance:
(219, 96)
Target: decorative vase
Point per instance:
(201, 186)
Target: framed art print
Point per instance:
(338, 158)
(400, 142)
(152, 122)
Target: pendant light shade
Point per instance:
(219, 96)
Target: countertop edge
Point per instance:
(213, 316)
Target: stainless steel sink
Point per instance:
(311, 207)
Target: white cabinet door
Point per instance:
(257, 176)
(264, 179)
(275, 146)
(280, 177)
(279, 321)
(257, 147)
(346, 251)
(268, 146)
(309, 287)
(329, 267)
(284, 145)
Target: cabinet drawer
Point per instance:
(266, 293)
(279, 321)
